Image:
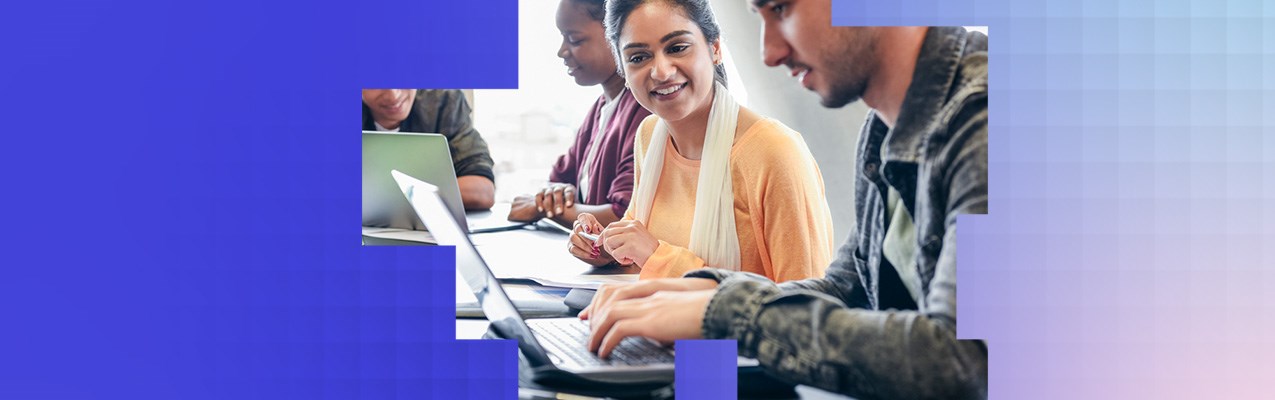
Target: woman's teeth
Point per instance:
(669, 90)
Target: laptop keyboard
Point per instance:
(566, 340)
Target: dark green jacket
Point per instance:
(857, 331)
(447, 113)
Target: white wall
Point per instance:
(830, 134)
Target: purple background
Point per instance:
(179, 185)
(1132, 155)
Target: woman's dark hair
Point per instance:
(597, 8)
(697, 11)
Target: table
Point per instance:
(538, 250)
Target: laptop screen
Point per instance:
(425, 156)
(469, 264)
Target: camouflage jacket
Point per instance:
(857, 331)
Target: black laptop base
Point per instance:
(555, 380)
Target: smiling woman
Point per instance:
(529, 128)
(702, 149)
(673, 82)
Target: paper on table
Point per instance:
(541, 256)
(551, 224)
(399, 234)
(528, 254)
(584, 281)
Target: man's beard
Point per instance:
(844, 94)
(856, 60)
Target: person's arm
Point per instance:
(618, 196)
(664, 260)
(529, 207)
(621, 191)
(477, 192)
(799, 331)
(470, 155)
(567, 168)
(840, 281)
(544, 204)
(670, 261)
(621, 188)
(811, 338)
(804, 332)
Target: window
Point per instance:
(528, 128)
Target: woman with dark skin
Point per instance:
(596, 174)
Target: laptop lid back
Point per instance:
(423, 155)
(496, 305)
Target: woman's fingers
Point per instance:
(558, 200)
(569, 193)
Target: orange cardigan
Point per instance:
(781, 214)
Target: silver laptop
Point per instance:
(551, 347)
(425, 155)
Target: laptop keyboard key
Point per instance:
(566, 339)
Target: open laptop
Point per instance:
(553, 348)
(425, 155)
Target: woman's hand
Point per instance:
(584, 249)
(525, 209)
(556, 199)
(629, 242)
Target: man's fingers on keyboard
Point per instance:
(601, 323)
(598, 327)
(618, 312)
(617, 334)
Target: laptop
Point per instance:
(554, 349)
(425, 155)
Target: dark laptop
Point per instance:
(553, 348)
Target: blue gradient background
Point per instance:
(179, 186)
(706, 369)
(1132, 193)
